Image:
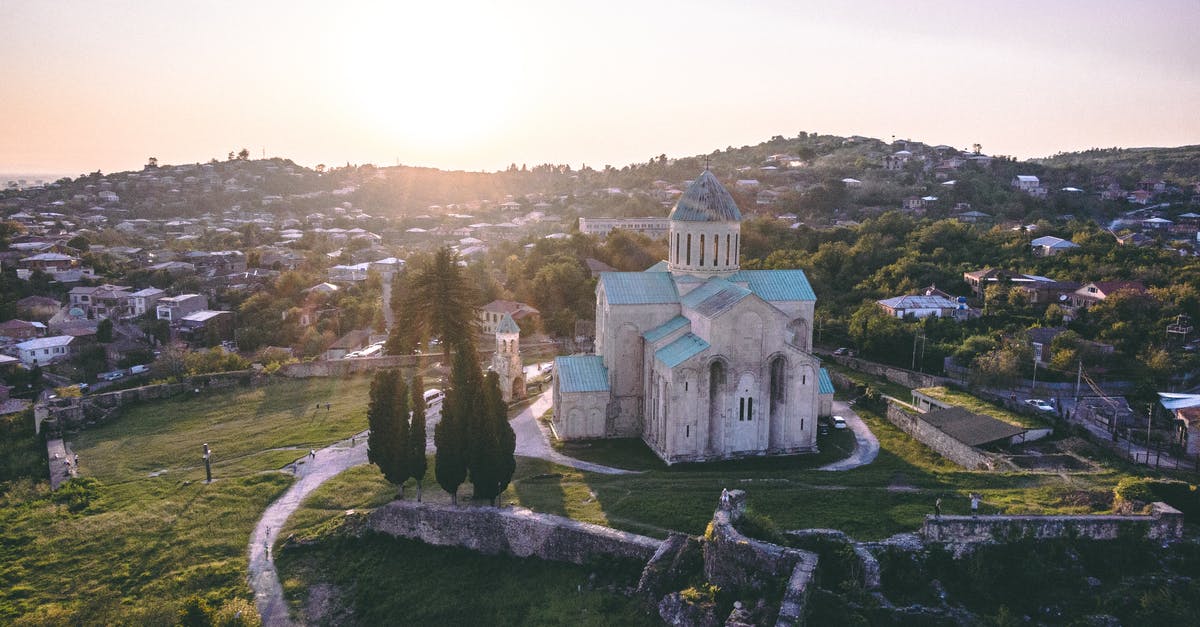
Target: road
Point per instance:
(866, 445)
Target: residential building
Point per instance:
(44, 350)
(652, 227)
(174, 308)
(492, 313)
(1092, 293)
(1049, 246)
(922, 306)
(145, 300)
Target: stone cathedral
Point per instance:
(697, 357)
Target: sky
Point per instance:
(477, 85)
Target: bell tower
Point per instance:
(507, 360)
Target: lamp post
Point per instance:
(207, 464)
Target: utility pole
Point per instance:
(1149, 416)
(1078, 380)
(207, 464)
(1033, 390)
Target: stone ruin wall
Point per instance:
(1163, 523)
(510, 531)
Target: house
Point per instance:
(921, 306)
(44, 350)
(354, 273)
(1092, 293)
(1041, 338)
(50, 263)
(102, 301)
(974, 217)
(597, 267)
(38, 307)
(1186, 409)
(896, 160)
(980, 279)
(348, 343)
(174, 308)
(206, 327)
(1026, 183)
(652, 227)
(1048, 246)
(1048, 292)
(492, 313)
(323, 288)
(145, 300)
(700, 359)
(21, 330)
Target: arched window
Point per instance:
(701, 249)
(726, 249)
(689, 250)
(676, 260)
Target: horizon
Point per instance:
(475, 88)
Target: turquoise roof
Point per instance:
(639, 288)
(706, 200)
(714, 297)
(665, 329)
(581, 373)
(680, 350)
(661, 266)
(824, 383)
(507, 325)
(776, 285)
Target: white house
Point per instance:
(44, 350)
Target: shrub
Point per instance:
(1135, 492)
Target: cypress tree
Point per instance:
(451, 434)
(399, 441)
(417, 463)
(382, 419)
(492, 443)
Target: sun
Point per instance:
(417, 87)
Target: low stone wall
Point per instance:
(900, 376)
(942, 444)
(734, 561)
(1163, 523)
(511, 531)
(351, 367)
(73, 414)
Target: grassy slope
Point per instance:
(139, 544)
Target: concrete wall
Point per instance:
(942, 444)
(1163, 523)
(512, 531)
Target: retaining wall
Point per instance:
(1163, 523)
(900, 376)
(512, 531)
(942, 444)
(73, 414)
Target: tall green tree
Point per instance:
(491, 443)
(417, 463)
(387, 417)
(104, 331)
(451, 434)
(434, 300)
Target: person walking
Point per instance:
(937, 508)
(974, 504)
(312, 453)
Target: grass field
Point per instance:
(142, 531)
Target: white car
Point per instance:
(1040, 405)
(839, 422)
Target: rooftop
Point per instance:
(581, 373)
(681, 350)
(706, 200)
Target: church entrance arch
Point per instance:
(518, 388)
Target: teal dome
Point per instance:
(706, 200)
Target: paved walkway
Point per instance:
(62, 462)
(533, 440)
(311, 472)
(866, 445)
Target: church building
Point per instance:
(700, 359)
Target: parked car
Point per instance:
(139, 369)
(1040, 405)
(111, 376)
(839, 422)
(842, 351)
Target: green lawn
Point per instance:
(142, 531)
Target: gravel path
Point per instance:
(866, 445)
(533, 440)
(311, 472)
